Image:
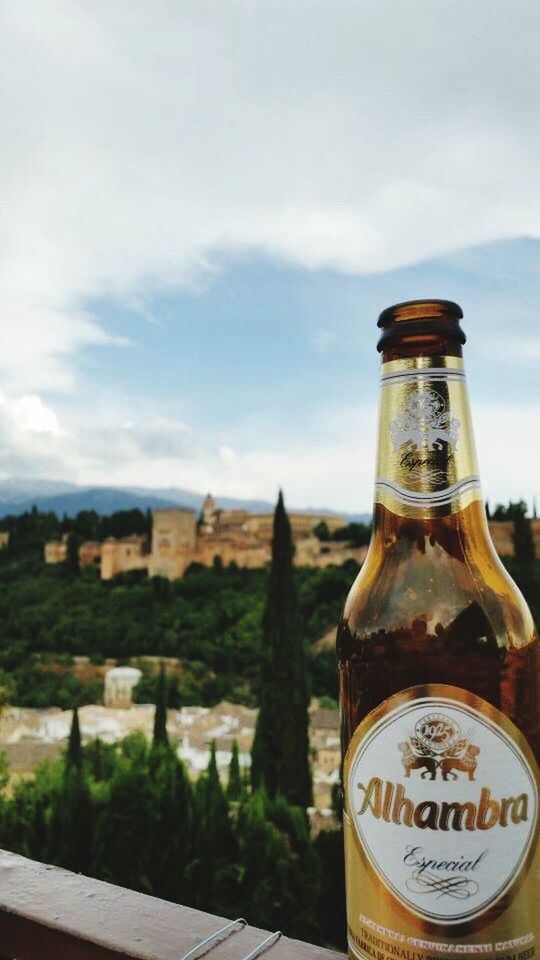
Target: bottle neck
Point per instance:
(426, 459)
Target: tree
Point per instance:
(321, 531)
(214, 870)
(170, 826)
(74, 751)
(280, 871)
(87, 525)
(4, 770)
(60, 811)
(70, 829)
(161, 736)
(331, 899)
(72, 554)
(25, 823)
(522, 536)
(280, 749)
(122, 854)
(7, 689)
(100, 759)
(356, 534)
(235, 786)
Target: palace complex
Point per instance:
(179, 538)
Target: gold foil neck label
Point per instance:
(426, 462)
(441, 828)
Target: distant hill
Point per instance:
(103, 500)
(18, 495)
(19, 489)
(188, 498)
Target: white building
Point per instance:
(119, 685)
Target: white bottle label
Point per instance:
(443, 798)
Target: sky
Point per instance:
(205, 206)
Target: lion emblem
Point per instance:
(424, 423)
(437, 744)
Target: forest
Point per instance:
(210, 620)
(222, 849)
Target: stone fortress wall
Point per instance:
(233, 536)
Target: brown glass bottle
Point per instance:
(439, 668)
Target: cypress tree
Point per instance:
(330, 908)
(74, 749)
(214, 871)
(280, 758)
(522, 536)
(64, 812)
(72, 554)
(124, 853)
(161, 737)
(4, 770)
(212, 770)
(235, 787)
(170, 827)
(279, 875)
(71, 822)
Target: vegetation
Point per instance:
(235, 786)
(356, 534)
(522, 536)
(211, 620)
(281, 744)
(507, 512)
(161, 736)
(32, 529)
(147, 827)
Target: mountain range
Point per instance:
(19, 494)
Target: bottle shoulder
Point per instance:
(430, 586)
(422, 614)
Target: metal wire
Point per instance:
(264, 945)
(214, 937)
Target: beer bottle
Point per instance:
(439, 671)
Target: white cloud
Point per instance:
(31, 415)
(155, 439)
(333, 468)
(227, 455)
(34, 442)
(139, 138)
(39, 343)
(336, 468)
(506, 434)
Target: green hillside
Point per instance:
(210, 619)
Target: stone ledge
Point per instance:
(47, 913)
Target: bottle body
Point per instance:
(439, 669)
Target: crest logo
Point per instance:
(423, 430)
(437, 745)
